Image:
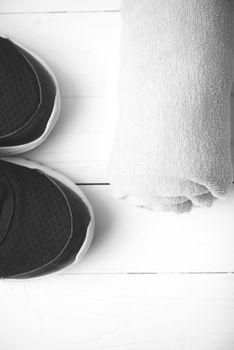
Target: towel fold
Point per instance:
(172, 143)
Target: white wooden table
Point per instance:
(151, 281)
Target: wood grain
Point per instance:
(119, 312)
(81, 143)
(25, 6)
(132, 240)
(82, 48)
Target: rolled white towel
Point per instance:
(172, 143)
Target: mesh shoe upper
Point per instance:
(19, 89)
(41, 223)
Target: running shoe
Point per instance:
(46, 222)
(29, 99)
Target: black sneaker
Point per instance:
(46, 222)
(29, 99)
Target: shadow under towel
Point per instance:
(172, 143)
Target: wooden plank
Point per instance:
(81, 143)
(119, 312)
(24, 6)
(132, 240)
(81, 48)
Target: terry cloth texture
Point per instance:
(172, 144)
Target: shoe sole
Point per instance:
(14, 150)
(71, 185)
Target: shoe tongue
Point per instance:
(6, 209)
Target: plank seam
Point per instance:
(97, 183)
(58, 12)
(152, 273)
(93, 184)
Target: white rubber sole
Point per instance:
(14, 150)
(70, 184)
